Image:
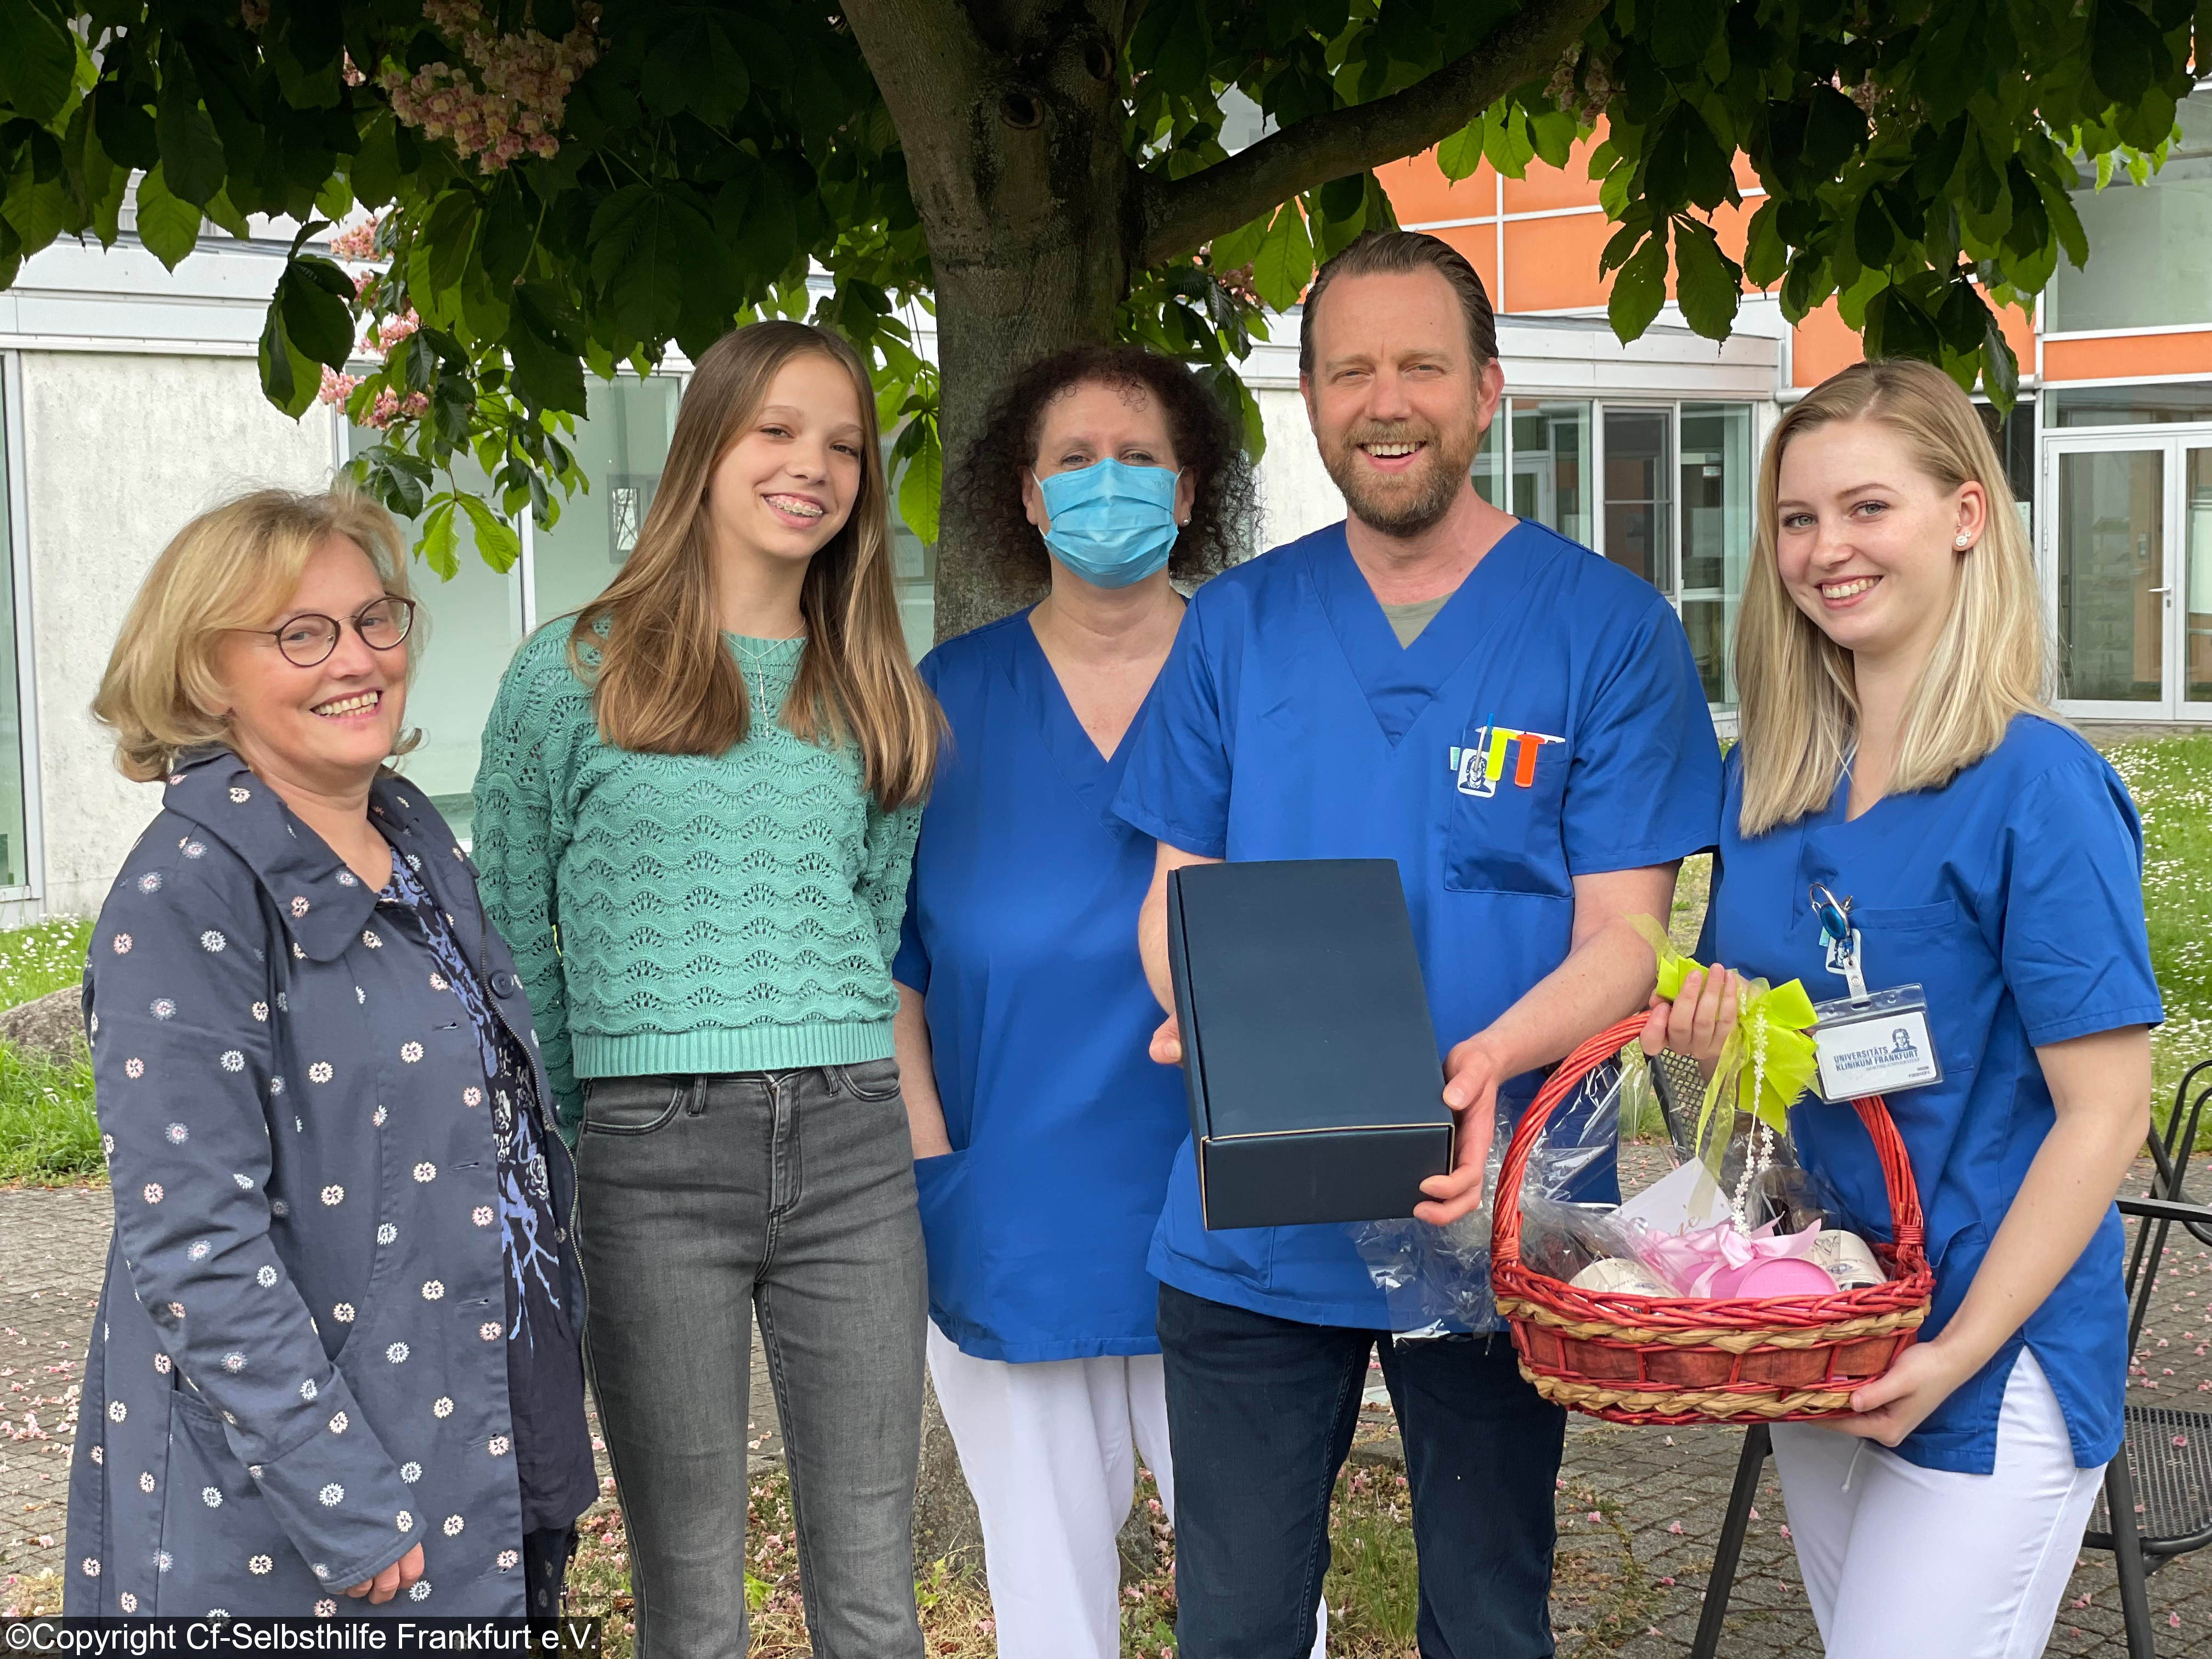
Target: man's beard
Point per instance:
(1416, 500)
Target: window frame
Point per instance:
(31, 892)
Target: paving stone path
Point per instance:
(1629, 1581)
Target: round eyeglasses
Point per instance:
(308, 639)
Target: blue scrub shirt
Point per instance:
(1289, 723)
(2013, 895)
(1021, 932)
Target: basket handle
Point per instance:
(1906, 1224)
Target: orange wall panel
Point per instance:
(1555, 187)
(2138, 354)
(1825, 346)
(1552, 263)
(1480, 244)
(1420, 194)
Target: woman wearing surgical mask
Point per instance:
(1042, 1135)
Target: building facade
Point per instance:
(128, 401)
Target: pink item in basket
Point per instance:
(1721, 1261)
(1781, 1275)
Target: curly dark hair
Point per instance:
(1207, 442)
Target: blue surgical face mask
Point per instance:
(1112, 524)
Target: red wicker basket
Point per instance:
(1667, 1360)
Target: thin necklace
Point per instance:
(753, 659)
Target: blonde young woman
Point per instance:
(709, 782)
(1905, 814)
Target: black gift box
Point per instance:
(1308, 1051)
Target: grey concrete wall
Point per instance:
(1296, 496)
(119, 453)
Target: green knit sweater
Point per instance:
(732, 913)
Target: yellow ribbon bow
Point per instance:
(1769, 1056)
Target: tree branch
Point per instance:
(1180, 215)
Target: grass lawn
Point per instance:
(2171, 779)
(47, 1134)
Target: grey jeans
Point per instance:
(698, 1199)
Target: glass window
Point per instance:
(465, 632)
(1489, 466)
(2111, 552)
(2013, 435)
(15, 865)
(2196, 496)
(1716, 496)
(1638, 518)
(2150, 244)
(1551, 465)
(913, 571)
(622, 444)
(2131, 405)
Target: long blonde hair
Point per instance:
(220, 572)
(1991, 661)
(664, 683)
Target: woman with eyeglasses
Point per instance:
(336, 1368)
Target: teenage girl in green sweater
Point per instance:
(694, 824)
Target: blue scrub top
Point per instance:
(1289, 723)
(1021, 934)
(2014, 895)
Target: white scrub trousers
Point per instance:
(1049, 1450)
(1906, 1563)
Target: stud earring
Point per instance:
(1962, 541)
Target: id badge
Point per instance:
(1876, 1044)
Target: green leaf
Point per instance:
(1765, 255)
(2000, 368)
(498, 545)
(288, 379)
(169, 229)
(2125, 51)
(541, 341)
(1242, 246)
(38, 67)
(922, 484)
(374, 172)
(441, 537)
(219, 211)
(1286, 261)
(449, 237)
(1459, 155)
(192, 161)
(1553, 132)
(318, 324)
(1708, 284)
(1640, 289)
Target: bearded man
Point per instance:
(1519, 724)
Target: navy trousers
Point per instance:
(1260, 1413)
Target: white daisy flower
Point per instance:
(397, 1353)
(331, 1496)
(481, 1215)
(433, 1289)
(261, 1011)
(378, 1116)
(499, 1445)
(213, 942)
(233, 1363)
(240, 796)
(99, 1453)
(488, 1330)
(320, 1072)
(452, 1526)
(117, 1411)
(211, 1497)
(146, 1481)
(307, 1388)
(163, 1560)
(299, 907)
(472, 1096)
(411, 1052)
(266, 1278)
(178, 1134)
(260, 1564)
(195, 850)
(163, 1364)
(151, 1192)
(244, 1181)
(507, 1558)
(441, 1406)
(404, 1521)
(411, 1473)
(198, 1250)
(426, 1171)
(122, 944)
(107, 1145)
(342, 1313)
(127, 1601)
(347, 878)
(233, 1060)
(387, 1233)
(334, 1194)
(150, 882)
(134, 1069)
(419, 1590)
(91, 1566)
(326, 1609)
(340, 1423)
(368, 937)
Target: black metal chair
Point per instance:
(2157, 1501)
